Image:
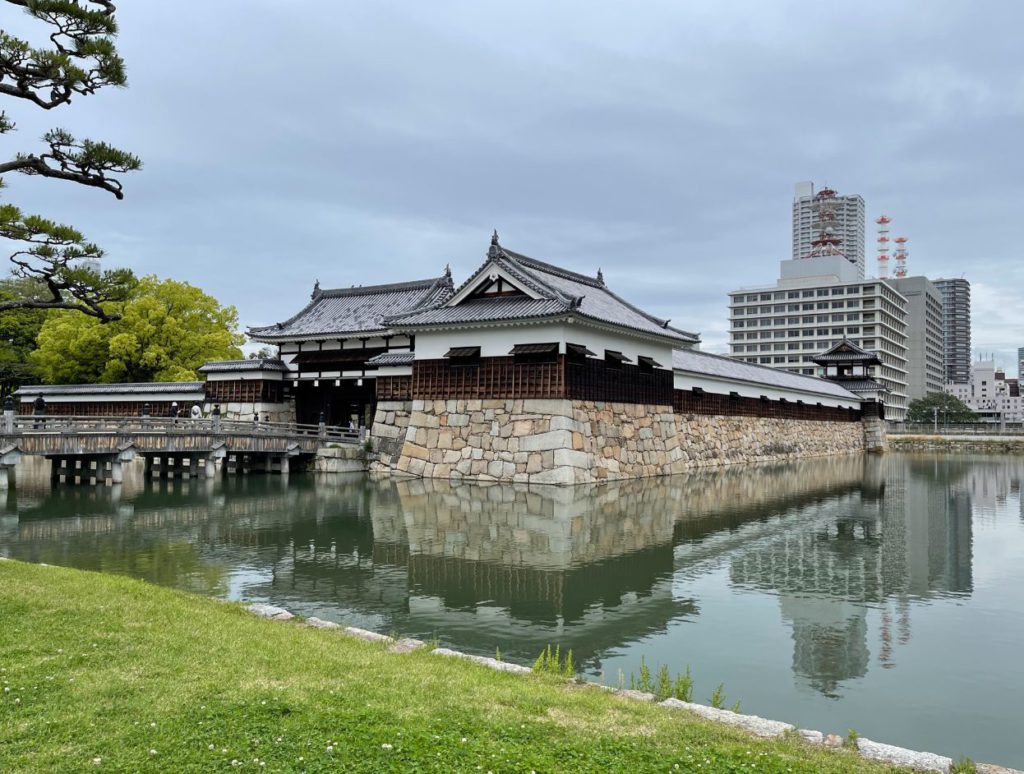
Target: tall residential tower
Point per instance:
(956, 328)
(849, 224)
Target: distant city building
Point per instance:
(956, 328)
(849, 224)
(816, 303)
(988, 392)
(925, 341)
(1020, 363)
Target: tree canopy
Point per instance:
(18, 331)
(951, 409)
(81, 58)
(164, 332)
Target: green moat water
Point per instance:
(884, 594)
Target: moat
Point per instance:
(876, 593)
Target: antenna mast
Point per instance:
(883, 246)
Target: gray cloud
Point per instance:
(360, 143)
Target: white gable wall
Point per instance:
(498, 342)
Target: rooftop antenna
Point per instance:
(900, 257)
(883, 246)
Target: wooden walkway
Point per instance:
(87, 449)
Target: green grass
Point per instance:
(144, 678)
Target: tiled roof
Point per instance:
(561, 292)
(357, 310)
(251, 364)
(128, 388)
(863, 385)
(846, 352)
(391, 359)
(729, 368)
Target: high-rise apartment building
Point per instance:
(956, 328)
(849, 225)
(816, 303)
(1020, 363)
(926, 372)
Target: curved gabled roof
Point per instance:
(356, 310)
(559, 292)
(718, 366)
(249, 364)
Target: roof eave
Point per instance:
(563, 316)
(286, 337)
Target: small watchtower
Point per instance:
(847, 364)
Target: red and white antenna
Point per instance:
(824, 208)
(883, 246)
(900, 256)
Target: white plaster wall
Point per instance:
(498, 342)
(100, 397)
(243, 376)
(687, 381)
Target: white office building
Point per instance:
(816, 303)
(988, 394)
(849, 225)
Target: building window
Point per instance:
(577, 353)
(535, 353)
(463, 356)
(647, 364)
(614, 359)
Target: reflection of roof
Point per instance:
(736, 370)
(392, 359)
(356, 310)
(130, 388)
(252, 364)
(559, 292)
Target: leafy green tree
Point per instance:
(80, 60)
(163, 333)
(18, 331)
(951, 409)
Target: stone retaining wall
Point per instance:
(565, 442)
(388, 433)
(966, 444)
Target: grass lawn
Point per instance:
(104, 673)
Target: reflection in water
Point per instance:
(849, 547)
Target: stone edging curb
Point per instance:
(757, 726)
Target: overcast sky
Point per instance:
(375, 142)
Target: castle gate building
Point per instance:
(327, 347)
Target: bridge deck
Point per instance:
(75, 436)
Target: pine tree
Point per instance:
(80, 60)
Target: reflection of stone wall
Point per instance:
(548, 529)
(575, 442)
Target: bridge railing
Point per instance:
(960, 428)
(24, 424)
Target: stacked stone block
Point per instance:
(566, 442)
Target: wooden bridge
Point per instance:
(86, 449)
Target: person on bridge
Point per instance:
(174, 411)
(197, 413)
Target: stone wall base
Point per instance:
(246, 412)
(387, 433)
(568, 442)
(339, 460)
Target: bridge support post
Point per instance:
(8, 415)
